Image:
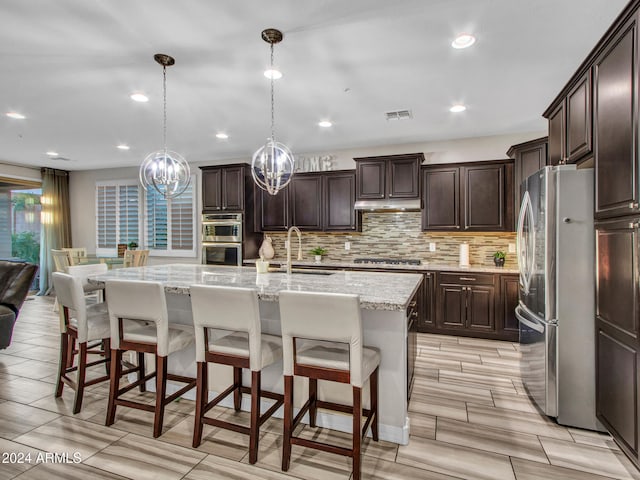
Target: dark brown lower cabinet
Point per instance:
(427, 319)
(617, 330)
(509, 289)
(475, 305)
(466, 303)
(413, 318)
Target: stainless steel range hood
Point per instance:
(389, 204)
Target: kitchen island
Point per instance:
(384, 299)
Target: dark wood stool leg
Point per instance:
(254, 431)
(373, 403)
(202, 396)
(64, 350)
(106, 348)
(114, 385)
(71, 346)
(141, 371)
(357, 431)
(161, 387)
(82, 373)
(288, 420)
(313, 398)
(237, 382)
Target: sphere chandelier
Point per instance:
(272, 164)
(165, 171)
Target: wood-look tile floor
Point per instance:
(470, 419)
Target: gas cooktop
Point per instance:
(388, 261)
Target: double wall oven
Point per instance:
(222, 237)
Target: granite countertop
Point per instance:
(424, 266)
(377, 290)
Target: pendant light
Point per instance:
(272, 165)
(165, 171)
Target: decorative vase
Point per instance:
(499, 262)
(266, 249)
(318, 258)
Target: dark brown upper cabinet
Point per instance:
(579, 120)
(272, 211)
(557, 135)
(390, 176)
(319, 201)
(441, 192)
(474, 196)
(339, 190)
(306, 201)
(224, 188)
(528, 157)
(615, 125)
(570, 124)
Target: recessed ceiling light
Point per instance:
(139, 97)
(325, 123)
(464, 40)
(458, 108)
(16, 115)
(51, 153)
(123, 147)
(222, 135)
(273, 73)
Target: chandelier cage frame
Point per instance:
(165, 171)
(272, 165)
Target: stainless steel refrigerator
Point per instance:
(556, 258)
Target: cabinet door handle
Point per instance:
(471, 279)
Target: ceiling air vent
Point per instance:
(399, 115)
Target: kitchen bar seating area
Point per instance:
(469, 416)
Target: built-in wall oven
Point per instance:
(222, 227)
(222, 239)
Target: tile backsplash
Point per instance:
(399, 235)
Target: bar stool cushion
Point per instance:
(97, 321)
(335, 355)
(179, 336)
(237, 343)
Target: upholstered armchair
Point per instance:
(15, 280)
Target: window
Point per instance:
(169, 223)
(125, 212)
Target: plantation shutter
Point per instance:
(128, 214)
(182, 221)
(106, 224)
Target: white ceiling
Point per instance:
(70, 65)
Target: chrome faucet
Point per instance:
(297, 230)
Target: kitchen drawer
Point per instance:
(467, 278)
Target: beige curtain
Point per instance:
(56, 221)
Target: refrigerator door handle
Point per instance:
(532, 324)
(525, 253)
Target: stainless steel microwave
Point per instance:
(222, 227)
(222, 254)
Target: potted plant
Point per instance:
(133, 245)
(318, 252)
(499, 258)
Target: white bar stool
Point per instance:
(234, 310)
(322, 340)
(147, 330)
(83, 324)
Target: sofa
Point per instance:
(15, 281)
